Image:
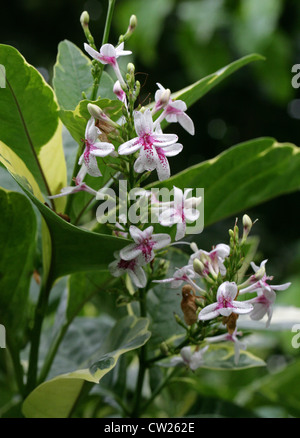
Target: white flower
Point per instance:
(154, 147)
(226, 303)
(174, 110)
(94, 148)
(145, 242)
(263, 304)
(108, 54)
(70, 190)
(182, 209)
(193, 360)
(213, 261)
(132, 267)
(238, 345)
(181, 275)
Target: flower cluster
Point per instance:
(136, 141)
(214, 275)
(140, 145)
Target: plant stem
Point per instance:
(159, 388)
(18, 369)
(110, 11)
(142, 362)
(36, 335)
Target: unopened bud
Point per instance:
(198, 266)
(130, 68)
(259, 274)
(194, 247)
(84, 19)
(95, 111)
(247, 224)
(132, 23)
(164, 348)
(165, 97)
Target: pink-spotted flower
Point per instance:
(70, 190)
(184, 274)
(262, 305)
(174, 110)
(238, 345)
(94, 148)
(120, 266)
(108, 54)
(182, 209)
(226, 303)
(80, 186)
(213, 261)
(259, 280)
(154, 146)
(145, 242)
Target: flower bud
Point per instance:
(247, 225)
(198, 266)
(194, 247)
(95, 111)
(84, 19)
(259, 274)
(130, 68)
(132, 23)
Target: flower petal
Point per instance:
(172, 150)
(130, 147)
(186, 122)
(130, 252)
(102, 149)
(161, 240)
(209, 312)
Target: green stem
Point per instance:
(159, 388)
(18, 369)
(142, 362)
(52, 353)
(110, 11)
(40, 312)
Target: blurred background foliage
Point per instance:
(176, 43)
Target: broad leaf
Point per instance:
(241, 177)
(72, 76)
(55, 398)
(30, 123)
(194, 92)
(17, 251)
(73, 249)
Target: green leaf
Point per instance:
(30, 124)
(55, 398)
(17, 250)
(277, 389)
(241, 177)
(72, 76)
(194, 92)
(75, 249)
(221, 357)
(76, 120)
